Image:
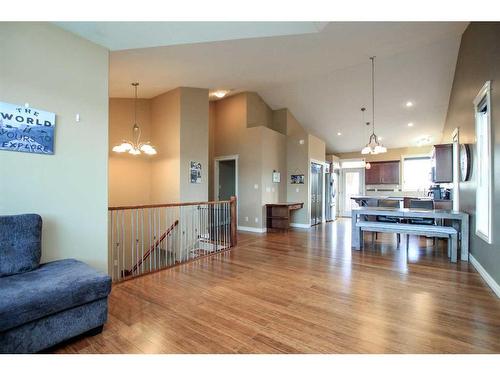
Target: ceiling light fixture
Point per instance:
(339, 133)
(425, 140)
(409, 104)
(373, 146)
(135, 147)
(219, 94)
(410, 124)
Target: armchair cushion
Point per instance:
(51, 288)
(20, 243)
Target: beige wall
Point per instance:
(232, 137)
(297, 159)
(264, 140)
(177, 124)
(59, 72)
(273, 159)
(194, 142)
(165, 172)
(478, 62)
(258, 112)
(317, 148)
(129, 175)
(391, 154)
(211, 149)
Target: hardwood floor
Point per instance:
(305, 292)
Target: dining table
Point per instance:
(458, 219)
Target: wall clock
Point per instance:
(465, 162)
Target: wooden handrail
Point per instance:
(154, 246)
(116, 208)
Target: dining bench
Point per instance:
(423, 230)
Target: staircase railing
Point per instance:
(147, 238)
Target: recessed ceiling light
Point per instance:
(409, 104)
(339, 133)
(380, 138)
(410, 124)
(219, 93)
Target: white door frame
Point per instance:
(342, 173)
(216, 174)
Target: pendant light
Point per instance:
(363, 109)
(373, 146)
(135, 147)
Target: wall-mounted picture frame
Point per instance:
(195, 172)
(276, 177)
(297, 179)
(24, 129)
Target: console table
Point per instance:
(278, 215)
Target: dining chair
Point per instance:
(424, 204)
(372, 202)
(391, 203)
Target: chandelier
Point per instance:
(373, 146)
(135, 147)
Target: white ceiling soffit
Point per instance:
(322, 77)
(129, 35)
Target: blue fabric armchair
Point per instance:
(43, 305)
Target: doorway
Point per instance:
(316, 193)
(353, 183)
(226, 177)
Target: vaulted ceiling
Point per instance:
(320, 71)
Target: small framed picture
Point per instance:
(297, 179)
(195, 172)
(276, 177)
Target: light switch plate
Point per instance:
(256, 219)
(256, 186)
(297, 190)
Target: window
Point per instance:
(483, 158)
(416, 173)
(352, 163)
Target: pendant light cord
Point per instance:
(136, 127)
(373, 93)
(135, 105)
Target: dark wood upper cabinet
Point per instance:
(383, 173)
(372, 175)
(442, 163)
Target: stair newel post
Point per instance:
(233, 205)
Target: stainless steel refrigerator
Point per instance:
(331, 192)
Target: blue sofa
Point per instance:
(43, 305)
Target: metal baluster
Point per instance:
(150, 228)
(123, 245)
(142, 241)
(217, 225)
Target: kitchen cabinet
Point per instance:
(442, 163)
(383, 173)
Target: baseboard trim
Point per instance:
(299, 225)
(252, 229)
(485, 275)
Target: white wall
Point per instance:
(59, 72)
